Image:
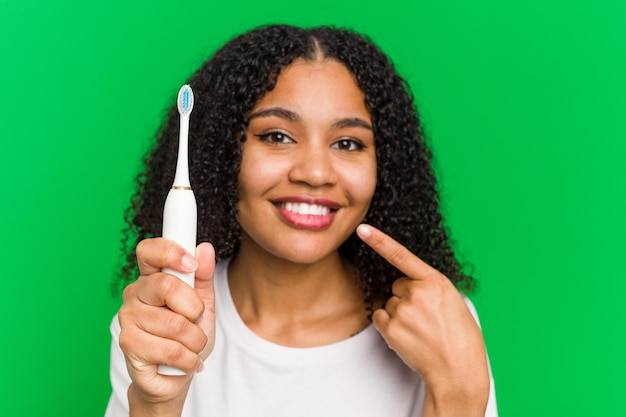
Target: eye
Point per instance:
(347, 144)
(275, 137)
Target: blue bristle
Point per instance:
(186, 99)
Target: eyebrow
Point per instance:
(278, 112)
(353, 122)
(294, 117)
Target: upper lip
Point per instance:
(333, 205)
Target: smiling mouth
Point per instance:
(305, 209)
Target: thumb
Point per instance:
(205, 256)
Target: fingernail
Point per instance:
(189, 263)
(200, 367)
(364, 231)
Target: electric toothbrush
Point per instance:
(180, 212)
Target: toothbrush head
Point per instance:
(185, 100)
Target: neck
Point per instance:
(297, 304)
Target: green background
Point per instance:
(524, 102)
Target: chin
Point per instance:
(306, 252)
(305, 257)
(296, 246)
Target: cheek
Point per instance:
(368, 188)
(258, 173)
(247, 167)
(361, 181)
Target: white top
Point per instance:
(250, 376)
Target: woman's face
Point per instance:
(308, 169)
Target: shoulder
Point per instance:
(471, 308)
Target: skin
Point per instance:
(308, 140)
(427, 323)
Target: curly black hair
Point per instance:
(405, 204)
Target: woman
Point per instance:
(305, 145)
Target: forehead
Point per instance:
(321, 82)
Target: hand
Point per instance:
(427, 323)
(165, 321)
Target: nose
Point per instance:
(313, 165)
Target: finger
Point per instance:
(158, 253)
(396, 254)
(381, 319)
(401, 287)
(204, 285)
(391, 305)
(163, 322)
(162, 289)
(205, 256)
(144, 349)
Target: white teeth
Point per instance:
(306, 209)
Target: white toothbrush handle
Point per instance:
(179, 224)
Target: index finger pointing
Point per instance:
(395, 253)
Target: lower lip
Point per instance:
(307, 221)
